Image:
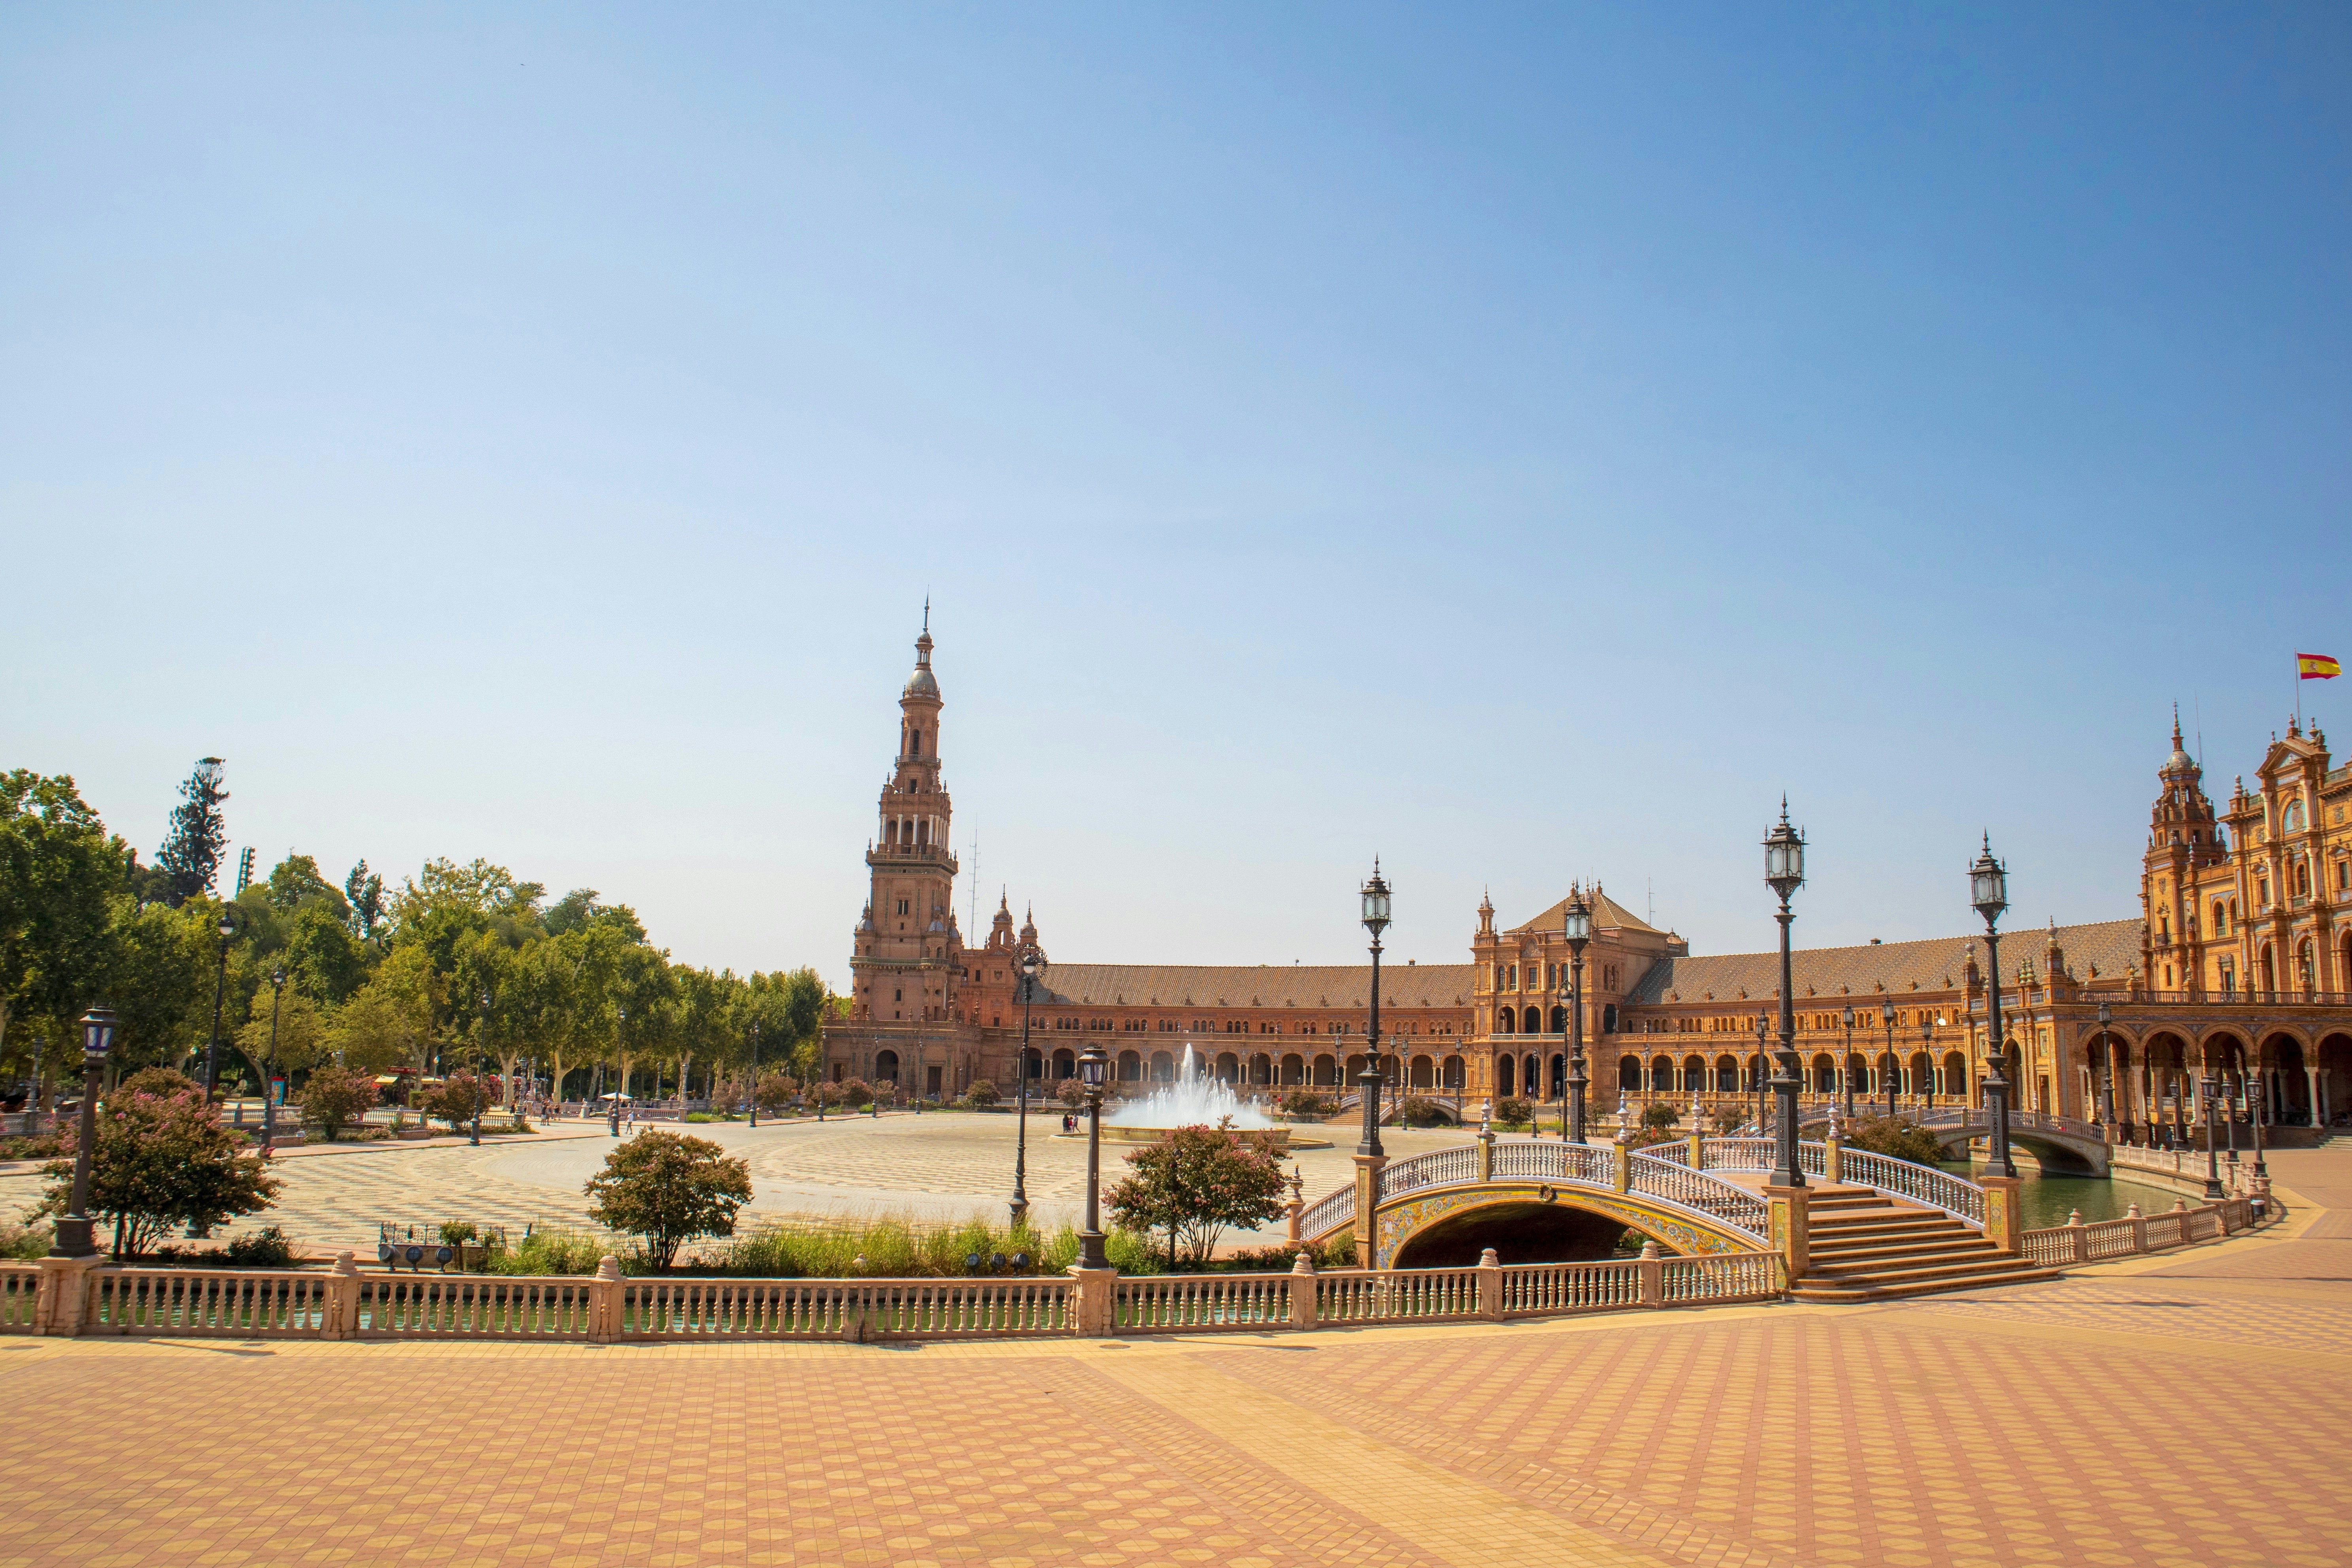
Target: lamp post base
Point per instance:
(76, 1238)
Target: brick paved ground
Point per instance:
(2185, 1409)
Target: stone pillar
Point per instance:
(1620, 1166)
(1833, 1158)
(1653, 1271)
(1367, 1200)
(1791, 1235)
(1292, 1209)
(1095, 1295)
(605, 1302)
(1302, 1292)
(63, 1303)
(2311, 1079)
(342, 1313)
(1485, 1151)
(2003, 1227)
(1698, 1149)
(1490, 1286)
(2078, 1237)
(2139, 1228)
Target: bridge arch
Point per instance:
(1398, 1222)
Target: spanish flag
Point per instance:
(2315, 667)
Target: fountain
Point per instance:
(1195, 1100)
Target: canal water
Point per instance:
(2046, 1198)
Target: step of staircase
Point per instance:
(1863, 1246)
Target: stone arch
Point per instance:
(1533, 1023)
(886, 1066)
(1559, 1075)
(1858, 1072)
(1956, 1076)
(1399, 1220)
(1163, 1067)
(1629, 1073)
(1694, 1074)
(1424, 1073)
(1559, 1020)
(1507, 1021)
(1065, 1063)
(1507, 1076)
(1294, 1068)
(1327, 1069)
(1824, 1074)
(1527, 1231)
(1130, 1067)
(2332, 1064)
(1726, 1075)
(1229, 1066)
(1261, 1068)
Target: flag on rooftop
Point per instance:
(2317, 666)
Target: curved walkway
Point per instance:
(2184, 1409)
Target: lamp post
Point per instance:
(1763, 1125)
(2213, 1164)
(2256, 1109)
(474, 1091)
(1091, 1062)
(1031, 960)
(1376, 921)
(1886, 1018)
(1579, 931)
(1845, 1066)
(269, 1100)
(2234, 1089)
(220, 988)
(1989, 891)
(2106, 1071)
(755, 1072)
(1784, 873)
(613, 1106)
(72, 1236)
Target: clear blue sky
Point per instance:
(1521, 443)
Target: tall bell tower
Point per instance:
(907, 947)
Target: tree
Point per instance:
(326, 961)
(458, 1098)
(59, 874)
(192, 851)
(158, 978)
(668, 1189)
(335, 1096)
(301, 1036)
(578, 909)
(363, 895)
(776, 1091)
(981, 1092)
(161, 1161)
(1194, 1184)
(384, 1025)
(1896, 1137)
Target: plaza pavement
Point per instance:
(2182, 1409)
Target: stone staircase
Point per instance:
(1864, 1246)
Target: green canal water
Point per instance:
(2047, 1199)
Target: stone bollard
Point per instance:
(2139, 1228)
(1653, 1271)
(2078, 1238)
(1486, 1144)
(605, 1302)
(1620, 1166)
(1791, 1229)
(1368, 1202)
(2004, 1225)
(1295, 1207)
(1302, 1292)
(1097, 1295)
(1833, 1158)
(1490, 1286)
(1697, 1141)
(342, 1317)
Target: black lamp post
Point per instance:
(1031, 960)
(1579, 931)
(220, 988)
(1845, 1064)
(1368, 1082)
(1091, 1063)
(755, 1072)
(2256, 1109)
(1928, 1051)
(269, 1100)
(2107, 1070)
(474, 1129)
(1763, 1123)
(1989, 891)
(72, 1236)
(1784, 873)
(613, 1106)
(2213, 1164)
(1886, 1018)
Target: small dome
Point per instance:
(921, 684)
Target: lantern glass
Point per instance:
(1886, 1013)
(1578, 923)
(1784, 856)
(1988, 885)
(98, 1033)
(1090, 1069)
(1849, 1015)
(1031, 962)
(227, 928)
(1376, 901)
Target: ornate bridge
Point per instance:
(1680, 1194)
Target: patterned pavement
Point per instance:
(2179, 1410)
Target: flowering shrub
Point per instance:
(161, 1161)
(1194, 1184)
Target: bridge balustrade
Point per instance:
(1954, 1195)
(1696, 1190)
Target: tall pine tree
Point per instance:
(190, 854)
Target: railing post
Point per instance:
(605, 1302)
(1368, 1201)
(343, 1314)
(1653, 1272)
(2003, 1227)
(1833, 1158)
(1791, 1235)
(1294, 1207)
(1485, 1150)
(1697, 1148)
(2079, 1238)
(1490, 1286)
(63, 1304)
(2139, 1228)
(1302, 1292)
(1097, 1291)
(1621, 1168)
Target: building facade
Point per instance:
(2239, 966)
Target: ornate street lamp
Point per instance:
(2256, 1109)
(2106, 1071)
(2212, 1165)
(1886, 1018)
(269, 1100)
(1091, 1063)
(1784, 873)
(474, 1089)
(1763, 1027)
(1030, 961)
(1577, 927)
(1845, 1064)
(220, 986)
(72, 1236)
(1989, 891)
(755, 1072)
(613, 1106)
(1368, 1082)
(1928, 1052)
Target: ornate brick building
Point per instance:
(2239, 964)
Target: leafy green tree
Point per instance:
(1194, 1184)
(59, 875)
(326, 961)
(158, 978)
(387, 1022)
(578, 909)
(301, 1036)
(297, 880)
(161, 1161)
(335, 1097)
(667, 1189)
(192, 851)
(363, 895)
(458, 1098)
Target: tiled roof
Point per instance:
(1935, 964)
(1608, 914)
(1256, 985)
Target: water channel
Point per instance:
(2047, 1197)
